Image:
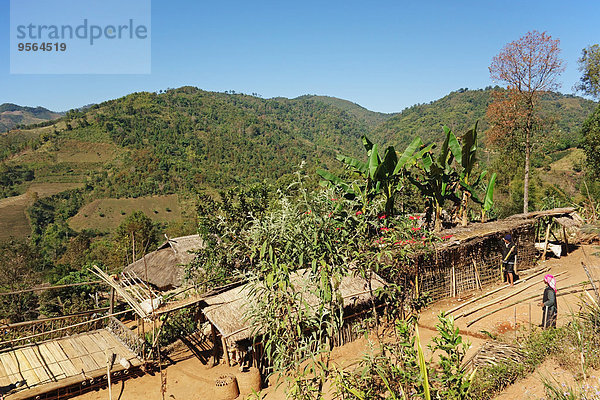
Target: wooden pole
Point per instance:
(529, 298)
(495, 291)
(530, 326)
(108, 362)
(62, 329)
(453, 282)
(566, 240)
(41, 289)
(225, 351)
(507, 296)
(213, 332)
(550, 221)
(477, 278)
(111, 308)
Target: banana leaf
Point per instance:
(359, 166)
(328, 176)
(489, 194)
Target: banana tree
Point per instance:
(380, 175)
(440, 180)
(365, 189)
(465, 152)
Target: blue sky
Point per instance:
(383, 55)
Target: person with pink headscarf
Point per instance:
(548, 304)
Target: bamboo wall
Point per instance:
(452, 271)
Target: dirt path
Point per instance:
(191, 379)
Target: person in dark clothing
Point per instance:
(508, 259)
(548, 304)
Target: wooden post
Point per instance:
(213, 332)
(566, 241)
(477, 278)
(453, 282)
(225, 351)
(111, 309)
(417, 284)
(530, 326)
(108, 362)
(550, 221)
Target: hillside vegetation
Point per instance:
(460, 109)
(12, 115)
(371, 118)
(186, 141)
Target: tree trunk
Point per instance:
(465, 203)
(528, 132)
(438, 218)
(526, 175)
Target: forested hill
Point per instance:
(12, 115)
(371, 118)
(186, 139)
(460, 109)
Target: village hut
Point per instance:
(228, 310)
(469, 258)
(164, 268)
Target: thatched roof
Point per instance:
(166, 264)
(476, 232)
(555, 212)
(228, 311)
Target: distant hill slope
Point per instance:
(460, 109)
(12, 115)
(187, 139)
(371, 118)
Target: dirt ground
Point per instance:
(188, 378)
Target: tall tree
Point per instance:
(19, 269)
(529, 67)
(589, 65)
(591, 142)
(134, 236)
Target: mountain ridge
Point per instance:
(13, 115)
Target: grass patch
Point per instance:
(13, 217)
(106, 214)
(567, 159)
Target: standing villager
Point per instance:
(509, 252)
(548, 304)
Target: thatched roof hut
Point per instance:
(167, 263)
(228, 310)
(470, 258)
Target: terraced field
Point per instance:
(106, 214)
(13, 219)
